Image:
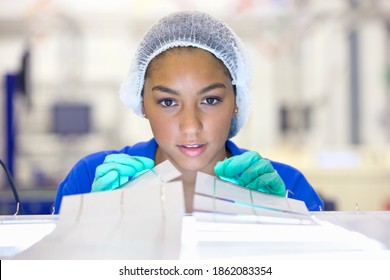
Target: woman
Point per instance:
(190, 78)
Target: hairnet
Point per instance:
(191, 29)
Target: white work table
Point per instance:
(373, 224)
(20, 232)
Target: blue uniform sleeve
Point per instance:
(296, 184)
(79, 180)
(298, 187)
(304, 191)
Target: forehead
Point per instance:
(177, 52)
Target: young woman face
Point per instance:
(189, 100)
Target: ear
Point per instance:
(143, 110)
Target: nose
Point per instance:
(190, 121)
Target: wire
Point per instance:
(19, 208)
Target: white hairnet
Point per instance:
(191, 29)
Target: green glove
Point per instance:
(252, 171)
(116, 170)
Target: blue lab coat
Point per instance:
(80, 178)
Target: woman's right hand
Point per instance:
(118, 169)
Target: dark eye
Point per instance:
(211, 100)
(167, 102)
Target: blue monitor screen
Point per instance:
(71, 119)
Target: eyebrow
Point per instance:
(164, 89)
(202, 91)
(212, 87)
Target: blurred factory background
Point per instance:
(321, 91)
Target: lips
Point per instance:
(192, 150)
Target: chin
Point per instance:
(193, 165)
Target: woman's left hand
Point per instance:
(252, 171)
